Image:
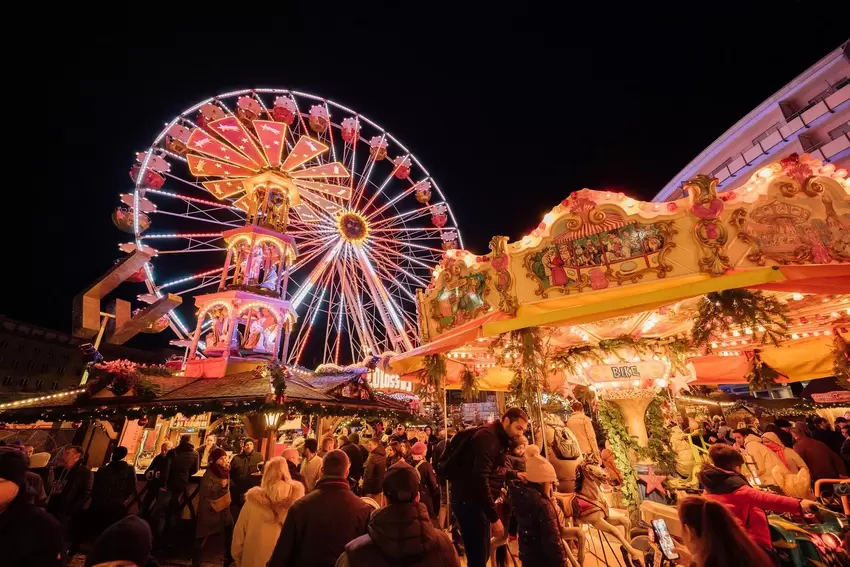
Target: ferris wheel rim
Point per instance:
(140, 189)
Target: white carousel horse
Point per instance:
(587, 507)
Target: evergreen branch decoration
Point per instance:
(674, 350)
(761, 375)
(658, 448)
(469, 384)
(525, 352)
(432, 379)
(721, 311)
(841, 360)
(621, 443)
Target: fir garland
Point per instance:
(621, 443)
(761, 375)
(675, 350)
(432, 379)
(469, 384)
(658, 448)
(526, 355)
(720, 311)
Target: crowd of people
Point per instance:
(348, 501)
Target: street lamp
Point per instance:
(272, 417)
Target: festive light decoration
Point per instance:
(28, 401)
(719, 312)
(761, 375)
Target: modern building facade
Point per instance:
(809, 115)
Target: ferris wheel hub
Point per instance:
(353, 227)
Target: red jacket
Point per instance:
(746, 503)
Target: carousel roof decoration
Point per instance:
(227, 151)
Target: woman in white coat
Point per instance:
(261, 519)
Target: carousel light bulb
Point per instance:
(760, 329)
(748, 331)
(827, 332)
(635, 383)
(585, 364)
(805, 335)
(765, 173)
(736, 334)
(713, 345)
(795, 336)
(797, 296)
(661, 382)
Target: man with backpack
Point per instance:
(470, 460)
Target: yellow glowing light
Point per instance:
(766, 172)
(797, 296)
(353, 227)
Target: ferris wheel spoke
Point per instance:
(413, 187)
(193, 200)
(189, 278)
(207, 281)
(394, 252)
(406, 216)
(194, 216)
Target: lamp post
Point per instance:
(272, 418)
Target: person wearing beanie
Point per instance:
(113, 487)
(214, 501)
(429, 488)
(401, 533)
(29, 536)
(128, 539)
(538, 521)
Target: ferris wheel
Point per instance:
(365, 242)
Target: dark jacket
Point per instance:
(157, 472)
(30, 537)
(209, 521)
(431, 442)
(821, 460)
(437, 452)
(400, 534)
(113, 485)
(480, 461)
(296, 474)
(353, 452)
(35, 490)
(70, 491)
(830, 438)
(429, 488)
(242, 466)
(183, 463)
(373, 472)
(538, 528)
(845, 451)
(319, 525)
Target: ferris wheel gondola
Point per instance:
(370, 224)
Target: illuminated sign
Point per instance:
(644, 369)
(380, 380)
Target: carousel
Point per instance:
(640, 311)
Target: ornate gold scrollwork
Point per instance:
(501, 262)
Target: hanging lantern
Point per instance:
(123, 219)
(402, 167)
(423, 192)
(350, 130)
(377, 148)
(247, 108)
(284, 110)
(319, 118)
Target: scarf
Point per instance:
(778, 449)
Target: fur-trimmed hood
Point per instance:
(283, 495)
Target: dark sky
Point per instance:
(607, 99)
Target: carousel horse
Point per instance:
(586, 506)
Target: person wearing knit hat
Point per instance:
(429, 488)
(214, 501)
(538, 522)
(128, 539)
(29, 536)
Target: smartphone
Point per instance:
(665, 542)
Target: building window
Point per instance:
(39, 384)
(7, 381)
(31, 365)
(23, 383)
(20, 348)
(4, 343)
(61, 370)
(15, 363)
(36, 351)
(55, 386)
(45, 367)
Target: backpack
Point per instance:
(565, 445)
(452, 457)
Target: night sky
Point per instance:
(509, 112)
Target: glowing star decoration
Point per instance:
(305, 150)
(653, 482)
(203, 167)
(234, 131)
(204, 143)
(223, 189)
(335, 169)
(272, 137)
(341, 191)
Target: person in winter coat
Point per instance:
(472, 500)
(156, 475)
(127, 540)
(373, 472)
(29, 536)
(183, 463)
(364, 452)
(355, 457)
(788, 476)
(821, 460)
(582, 428)
(431, 440)
(113, 486)
(538, 522)
(682, 447)
(242, 469)
(400, 434)
(71, 488)
(318, 526)
(311, 464)
(564, 469)
(258, 527)
(214, 515)
(429, 488)
(293, 460)
(725, 484)
(763, 458)
(401, 533)
(823, 432)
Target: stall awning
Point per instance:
(826, 279)
(585, 308)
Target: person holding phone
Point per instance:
(713, 538)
